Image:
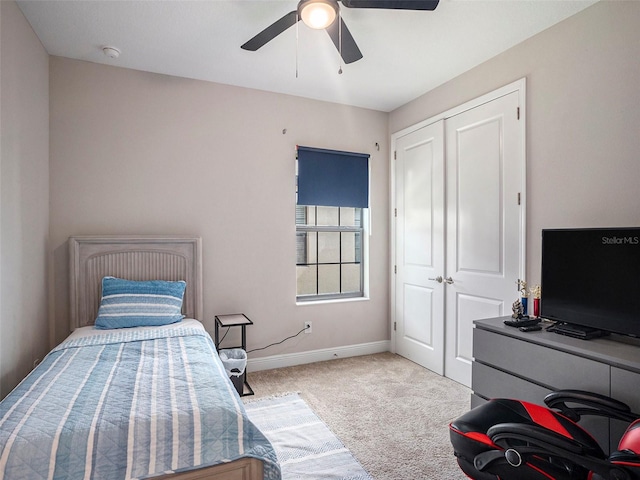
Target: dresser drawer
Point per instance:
(624, 387)
(547, 367)
(488, 382)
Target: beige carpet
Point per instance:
(392, 414)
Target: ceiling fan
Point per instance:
(322, 14)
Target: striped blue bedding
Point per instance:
(129, 404)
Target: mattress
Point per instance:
(128, 403)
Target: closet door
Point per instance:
(419, 262)
(484, 166)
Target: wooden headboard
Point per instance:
(134, 257)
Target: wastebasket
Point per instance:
(235, 364)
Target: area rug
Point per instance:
(306, 448)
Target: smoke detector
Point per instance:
(111, 52)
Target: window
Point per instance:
(333, 193)
(329, 252)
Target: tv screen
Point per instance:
(591, 278)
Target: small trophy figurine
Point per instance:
(536, 292)
(517, 310)
(522, 287)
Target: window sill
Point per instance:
(333, 300)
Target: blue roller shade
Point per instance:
(332, 178)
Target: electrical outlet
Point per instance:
(308, 327)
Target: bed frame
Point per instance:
(141, 257)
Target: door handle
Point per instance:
(437, 279)
(449, 280)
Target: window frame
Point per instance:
(357, 229)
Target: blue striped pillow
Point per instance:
(130, 303)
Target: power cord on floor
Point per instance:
(277, 343)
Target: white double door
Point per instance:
(459, 230)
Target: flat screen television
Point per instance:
(591, 279)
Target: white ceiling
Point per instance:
(406, 53)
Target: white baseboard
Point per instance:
(291, 359)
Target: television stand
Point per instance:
(577, 331)
(508, 363)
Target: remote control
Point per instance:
(530, 328)
(525, 322)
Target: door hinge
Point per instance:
(395, 269)
(518, 113)
(519, 200)
(395, 155)
(395, 212)
(394, 326)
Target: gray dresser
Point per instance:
(509, 363)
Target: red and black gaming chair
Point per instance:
(516, 440)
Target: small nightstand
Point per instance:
(235, 320)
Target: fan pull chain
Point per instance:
(297, 42)
(340, 40)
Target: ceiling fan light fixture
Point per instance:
(318, 14)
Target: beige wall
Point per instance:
(141, 153)
(134, 152)
(583, 119)
(24, 197)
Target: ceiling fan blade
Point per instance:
(392, 4)
(271, 32)
(350, 50)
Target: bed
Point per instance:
(137, 402)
